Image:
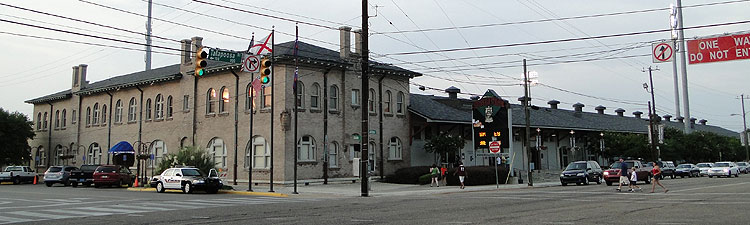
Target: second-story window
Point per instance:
(148, 109)
(333, 101)
(118, 111)
(300, 95)
(159, 107)
(371, 101)
(315, 96)
(355, 97)
(132, 109)
(169, 107)
(387, 102)
(104, 114)
(95, 116)
(224, 100)
(210, 99)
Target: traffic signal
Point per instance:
(200, 61)
(265, 71)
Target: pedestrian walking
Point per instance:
(633, 180)
(434, 171)
(461, 172)
(656, 172)
(623, 174)
(443, 170)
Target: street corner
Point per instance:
(253, 193)
(141, 189)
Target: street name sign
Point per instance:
(719, 48)
(224, 55)
(662, 52)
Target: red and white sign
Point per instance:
(250, 63)
(719, 49)
(662, 52)
(495, 146)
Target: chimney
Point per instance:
(358, 41)
(667, 117)
(692, 120)
(345, 42)
(185, 51)
(703, 121)
(600, 109)
(553, 104)
(620, 112)
(680, 119)
(75, 76)
(453, 92)
(578, 107)
(637, 114)
(522, 99)
(82, 82)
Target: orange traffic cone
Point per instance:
(136, 182)
(35, 179)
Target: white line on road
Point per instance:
(42, 215)
(82, 213)
(110, 210)
(715, 186)
(13, 220)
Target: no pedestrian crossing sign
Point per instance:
(495, 146)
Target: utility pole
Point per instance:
(744, 129)
(526, 100)
(652, 114)
(673, 26)
(365, 95)
(683, 61)
(148, 39)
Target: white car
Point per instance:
(724, 169)
(743, 167)
(704, 168)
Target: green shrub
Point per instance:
(408, 175)
(425, 179)
(478, 175)
(188, 156)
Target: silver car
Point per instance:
(58, 174)
(704, 167)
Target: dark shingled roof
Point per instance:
(440, 109)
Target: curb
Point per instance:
(220, 192)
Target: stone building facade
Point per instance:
(164, 109)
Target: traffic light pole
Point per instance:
(526, 100)
(744, 129)
(365, 94)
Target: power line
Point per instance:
(293, 14)
(267, 15)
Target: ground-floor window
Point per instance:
(219, 152)
(333, 152)
(261, 153)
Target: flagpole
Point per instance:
(296, 101)
(251, 92)
(273, 61)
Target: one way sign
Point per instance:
(662, 52)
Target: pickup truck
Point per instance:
(17, 174)
(83, 176)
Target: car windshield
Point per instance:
(105, 169)
(576, 166)
(742, 164)
(703, 165)
(55, 169)
(89, 167)
(683, 166)
(616, 165)
(721, 165)
(191, 172)
(9, 169)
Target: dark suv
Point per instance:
(581, 172)
(667, 169)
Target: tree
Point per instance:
(626, 145)
(444, 144)
(15, 132)
(188, 156)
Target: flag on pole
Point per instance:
(252, 42)
(262, 47)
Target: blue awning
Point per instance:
(122, 147)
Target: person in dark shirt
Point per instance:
(623, 174)
(461, 172)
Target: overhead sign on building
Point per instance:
(662, 52)
(719, 49)
(490, 121)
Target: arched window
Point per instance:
(39, 121)
(41, 157)
(210, 99)
(333, 101)
(394, 149)
(58, 153)
(64, 118)
(132, 109)
(159, 107)
(266, 93)
(45, 121)
(169, 107)
(387, 102)
(95, 116)
(118, 111)
(183, 142)
(74, 118)
(333, 152)
(371, 156)
(104, 114)
(315, 96)
(219, 151)
(371, 101)
(159, 150)
(95, 154)
(261, 153)
(250, 98)
(306, 148)
(57, 119)
(300, 95)
(224, 100)
(148, 109)
(400, 103)
(88, 116)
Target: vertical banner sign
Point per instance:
(719, 49)
(490, 121)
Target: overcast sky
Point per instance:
(36, 67)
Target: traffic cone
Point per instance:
(136, 182)
(35, 179)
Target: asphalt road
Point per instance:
(689, 201)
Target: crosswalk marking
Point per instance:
(81, 213)
(13, 220)
(43, 215)
(110, 210)
(168, 205)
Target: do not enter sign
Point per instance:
(495, 146)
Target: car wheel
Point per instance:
(564, 184)
(17, 180)
(609, 183)
(187, 188)
(119, 183)
(74, 184)
(159, 187)
(709, 176)
(49, 184)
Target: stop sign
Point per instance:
(495, 146)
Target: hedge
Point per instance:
(476, 175)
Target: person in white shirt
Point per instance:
(633, 180)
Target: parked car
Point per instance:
(17, 174)
(667, 168)
(113, 175)
(643, 172)
(743, 167)
(704, 167)
(188, 180)
(83, 175)
(58, 174)
(582, 172)
(688, 169)
(724, 169)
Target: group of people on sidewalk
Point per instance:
(438, 175)
(631, 182)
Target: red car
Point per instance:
(113, 175)
(643, 172)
